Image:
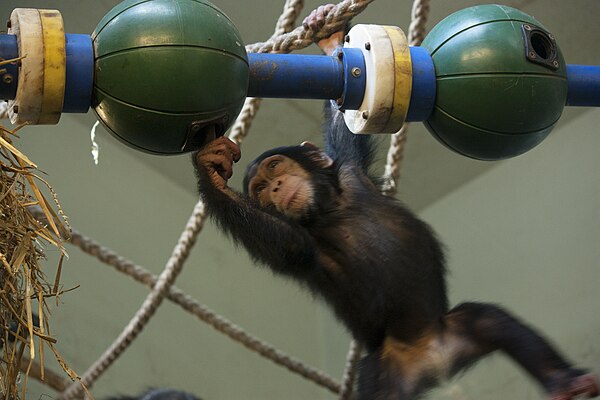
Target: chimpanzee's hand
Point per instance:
(217, 158)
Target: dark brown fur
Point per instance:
(382, 271)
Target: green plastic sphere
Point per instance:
(501, 82)
(166, 71)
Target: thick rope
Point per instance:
(350, 370)
(206, 315)
(167, 277)
(300, 37)
(416, 34)
(149, 306)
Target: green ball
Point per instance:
(501, 82)
(166, 71)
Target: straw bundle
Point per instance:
(24, 288)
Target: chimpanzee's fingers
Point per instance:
(220, 163)
(234, 150)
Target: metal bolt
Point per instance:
(16, 109)
(196, 127)
(340, 55)
(347, 38)
(527, 27)
(531, 54)
(368, 46)
(551, 36)
(555, 63)
(8, 79)
(356, 72)
(365, 114)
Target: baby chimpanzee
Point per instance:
(317, 217)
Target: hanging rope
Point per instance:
(167, 277)
(349, 376)
(193, 306)
(149, 306)
(416, 34)
(300, 38)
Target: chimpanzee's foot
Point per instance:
(583, 386)
(315, 22)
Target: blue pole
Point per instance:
(9, 73)
(583, 85)
(422, 95)
(294, 76)
(80, 73)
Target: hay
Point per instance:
(24, 288)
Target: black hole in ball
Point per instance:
(542, 45)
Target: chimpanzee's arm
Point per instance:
(270, 239)
(344, 146)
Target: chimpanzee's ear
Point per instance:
(317, 155)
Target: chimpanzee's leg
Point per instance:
(487, 327)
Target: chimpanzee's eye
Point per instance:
(273, 164)
(258, 189)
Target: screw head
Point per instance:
(555, 63)
(368, 46)
(527, 27)
(356, 72)
(531, 54)
(16, 109)
(347, 38)
(365, 114)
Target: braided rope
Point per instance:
(149, 306)
(167, 277)
(300, 37)
(349, 376)
(416, 34)
(193, 306)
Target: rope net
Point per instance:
(284, 39)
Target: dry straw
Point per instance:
(24, 288)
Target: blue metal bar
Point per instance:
(422, 95)
(355, 78)
(80, 73)
(583, 85)
(9, 73)
(295, 76)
